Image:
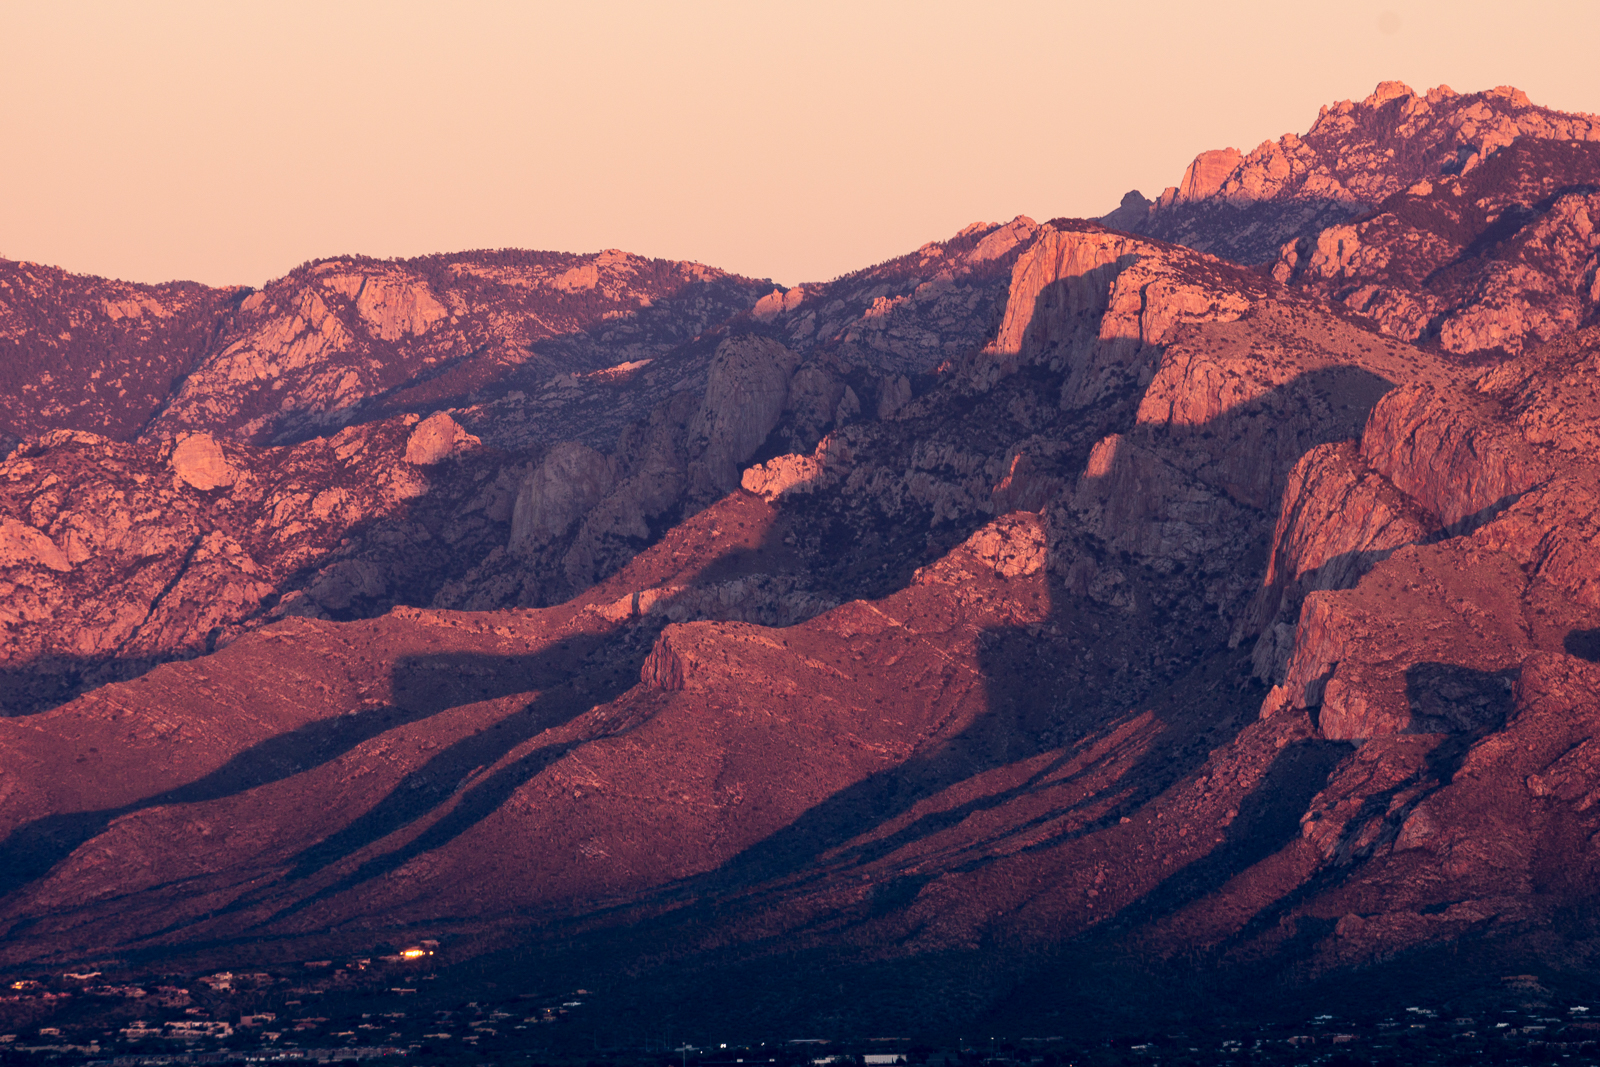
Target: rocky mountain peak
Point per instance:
(1387, 91)
(1245, 207)
(1204, 177)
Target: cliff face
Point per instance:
(581, 515)
(1153, 610)
(1499, 559)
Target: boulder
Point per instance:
(437, 437)
(198, 460)
(781, 475)
(22, 544)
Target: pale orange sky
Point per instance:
(227, 143)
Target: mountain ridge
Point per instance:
(1345, 164)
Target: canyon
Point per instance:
(1065, 623)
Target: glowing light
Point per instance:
(413, 953)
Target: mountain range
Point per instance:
(1063, 625)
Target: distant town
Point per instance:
(392, 1007)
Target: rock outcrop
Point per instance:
(781, 475)
(580, 514)
(198, 459)
(437, 438)
(1491, 260)
(571, 480)
(1436, 519)
(747, 390)
(116, 556)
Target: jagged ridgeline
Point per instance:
(1077, 620)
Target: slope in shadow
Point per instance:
(1200, 695)
(1232, 973)
(423, 687)
(31, 850)
(1174, 667)
(1268, 820)
(433, 784)
(1585, 644)
(1460, 701)
(1467, 705)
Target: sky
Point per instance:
(228, 143)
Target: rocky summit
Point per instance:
(1075, 628)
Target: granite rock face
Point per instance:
(570, 480)
(580, 514)
(747, 390)
(198, 460)
(436, 438)
(1460, 557)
